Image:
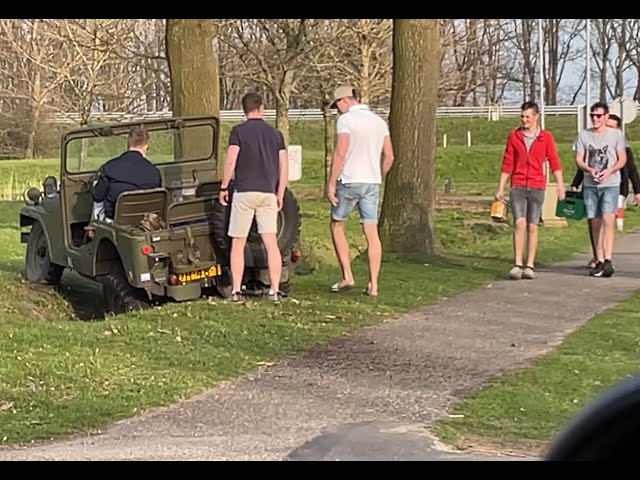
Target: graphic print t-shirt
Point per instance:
(601, 153)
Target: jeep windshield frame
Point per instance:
(176, 125)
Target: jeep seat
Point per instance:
(132, 205)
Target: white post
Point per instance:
(588, 74)
(541, 56)
(468, 138)
(541, 73)
(444, 141)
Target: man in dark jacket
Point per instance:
(129, 171)
(628, 173)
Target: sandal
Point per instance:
(367, 292)
(338, 287)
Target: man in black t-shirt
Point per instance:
(129, 171)
(258, 157)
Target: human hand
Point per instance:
(602, 177)
(223, 196)
(560, 191)
(331, 196)
(499, 195)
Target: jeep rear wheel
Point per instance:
(38, 266)
(119, 296)
(289, 225)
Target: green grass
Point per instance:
(59, 375)
(526, 410)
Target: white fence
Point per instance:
(488, 112)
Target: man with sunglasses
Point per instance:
(627, 174)
(528, 148)
(601, 154)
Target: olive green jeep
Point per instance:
(168, 242)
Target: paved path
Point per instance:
(372, 395)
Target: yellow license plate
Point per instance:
(200, 274)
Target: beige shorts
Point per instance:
(246, 205)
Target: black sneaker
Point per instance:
(607, 268)
(598, 271)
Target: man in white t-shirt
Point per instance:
(356, 174)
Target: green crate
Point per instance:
(572, 206)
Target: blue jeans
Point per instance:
(599, 201)
(365, 195)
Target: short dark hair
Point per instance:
(138, 137)
(251, 102)
(615, 118)
(601, 105)
(530, 106)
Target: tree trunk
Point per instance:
(282, 117)
(327, 118)
(193, 68)
(282, 100)
(408, 207)
(34, 115)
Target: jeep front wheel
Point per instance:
(119, 296)
(38, 266)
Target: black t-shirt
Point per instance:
(129, 171)
(258, 164)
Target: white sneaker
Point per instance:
(515, 273)
(528, 273)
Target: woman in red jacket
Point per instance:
(528, 148)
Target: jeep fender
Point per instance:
(28, 216)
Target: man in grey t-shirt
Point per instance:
(601, 153)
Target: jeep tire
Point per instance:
(119, 296)
(38, 265)
(289, 223)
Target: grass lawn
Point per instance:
(525, 410)
(59, 375)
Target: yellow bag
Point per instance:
(499, 211)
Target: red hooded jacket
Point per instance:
(527, 167)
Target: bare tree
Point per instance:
(408, 207)
(31, 69)
(274, 53)
(558, 38)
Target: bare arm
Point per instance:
(581, 163)
(229, 168)
(387, 150)
(337, 164)
(339, 157)
(283, 158)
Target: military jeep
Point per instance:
(186, 254)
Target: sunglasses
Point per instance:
(596, 115)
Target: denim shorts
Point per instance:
(365, 195)
(527, 203)
(600, 200)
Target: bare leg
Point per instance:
(596, 229)
(607, 233)
(532, 245)
(274, 259)
(341, 247)
(518, 239)
(593, 236)
(237, 263)
(374, 252)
